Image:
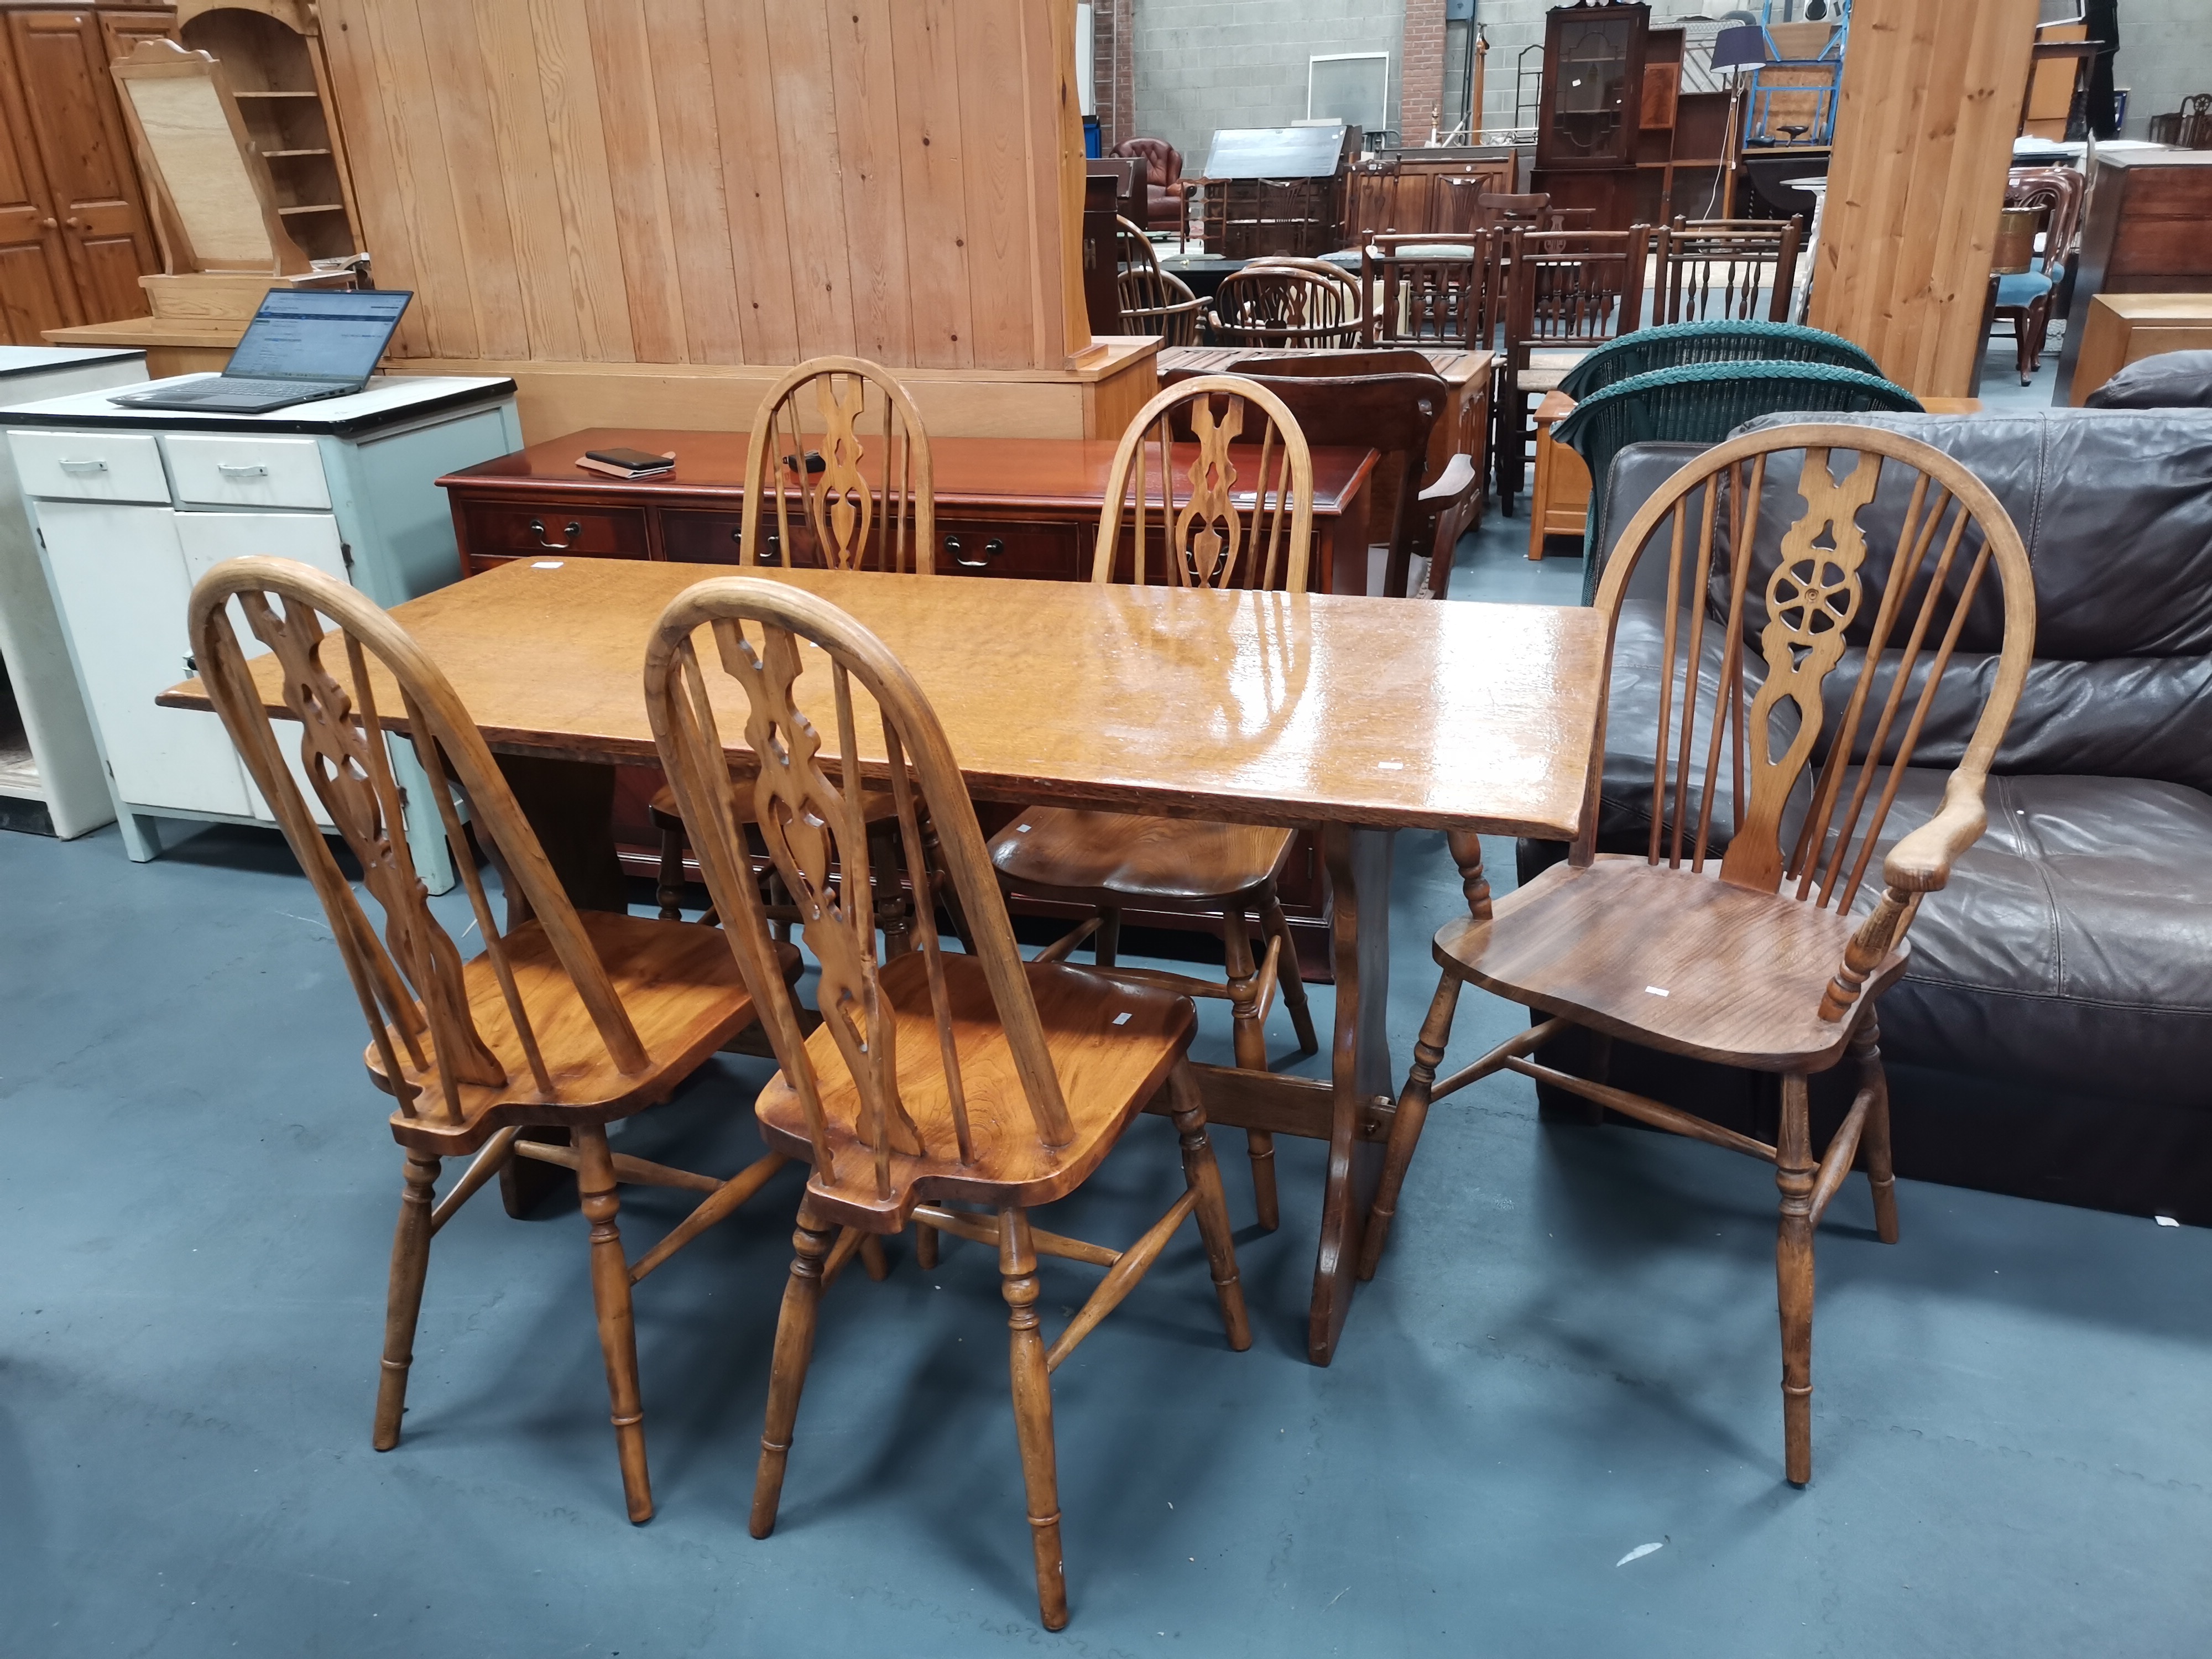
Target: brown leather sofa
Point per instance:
(1167, 197)
(2052, 1037)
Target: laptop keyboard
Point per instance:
(228, 386)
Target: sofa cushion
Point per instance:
(2068, 950)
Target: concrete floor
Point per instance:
(1569, 1356)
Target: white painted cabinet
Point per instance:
(131, 506)
(119, 579)
(207, 539)
(52, 778)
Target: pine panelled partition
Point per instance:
(1931, 97)
(646, 209)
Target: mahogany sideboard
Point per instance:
(1021, 507)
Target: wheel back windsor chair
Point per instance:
(934, 1078)
(568, 1020)
(1769, 955)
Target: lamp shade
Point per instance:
(1738, 44)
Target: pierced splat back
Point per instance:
(871, 506)
(1890, 555)
(1210, 539)
(758, 633)
(337, 684)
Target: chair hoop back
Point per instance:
(1715, 523)
(1281, 304)
(1210, 540)
(409, 981)
(862, 510)
(812, 822)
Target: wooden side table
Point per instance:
(2126, 328)
(1558, 501)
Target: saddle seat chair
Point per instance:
(1118, 861)
(566, 1021)
(955, 1091)
(1772, 956)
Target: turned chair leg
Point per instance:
(894, 914)
(1204, 1176)
(794, 1347)
(1874, 1141)
(595, 1184)
(1107, 938)
(1033, 1412)
(671, 890)
(1251, 1039)
(1794, 1169)
(411, 1261)
(926, 1242)
(1405, 1124)
(1294, 987)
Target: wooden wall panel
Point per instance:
(721, 181)
(931, 174)
(1931, 97)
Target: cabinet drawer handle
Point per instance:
(573, 530)
(992, 549)
(771, 545)
(83, 466)
(233, 470)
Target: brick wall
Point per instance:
(1113, 70)
(1203, 65)
(1422, 79)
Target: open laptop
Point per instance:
(302, 344)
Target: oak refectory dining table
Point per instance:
(1357, 716)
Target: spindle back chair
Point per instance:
(1565, 293)
(1726, 270)
(1839, 569)
(566, 1021)
(873, 504)
(1446, 290)
(933, 1077)
(1214, 539)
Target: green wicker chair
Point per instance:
(1674, 345)
(1702, 404)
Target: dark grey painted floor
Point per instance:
(1570, 1354)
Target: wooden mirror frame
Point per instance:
(164, 59)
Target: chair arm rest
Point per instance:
(1458, 477)
(1922, 862)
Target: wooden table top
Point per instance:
(973, 473)
(1251, 706)
(1457, 364)
(2153, 307)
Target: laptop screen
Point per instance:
(309, 334)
